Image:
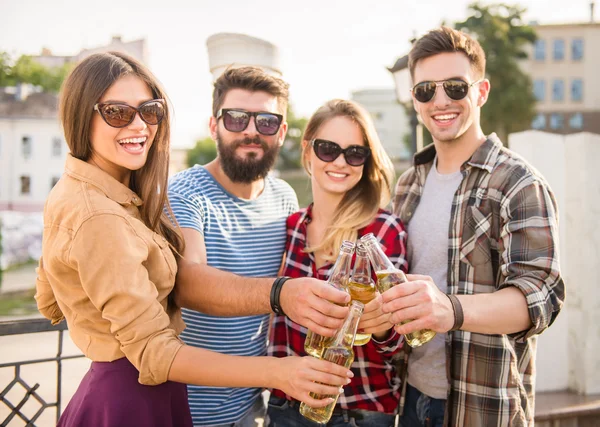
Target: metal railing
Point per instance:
(21, 327)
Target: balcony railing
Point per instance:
(31, 391)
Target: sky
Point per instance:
(327, 48)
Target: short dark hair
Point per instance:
(253, 79)
(447, 40)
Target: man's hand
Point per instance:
(421, 302)
(299, 376)
(374, 320)
(314, 304)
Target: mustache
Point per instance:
(248, 141)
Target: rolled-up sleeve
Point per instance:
(44, 297)
(530, 259)
(110, 258)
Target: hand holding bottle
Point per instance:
(305, 378)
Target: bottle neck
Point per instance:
(378, 258)
(341, 271)
(362, 268)
(345, 336)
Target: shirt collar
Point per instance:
(93, 175)
(484, 157)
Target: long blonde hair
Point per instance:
(80, 91)
(360, 204)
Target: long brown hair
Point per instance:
(360, 204)
(82, 89)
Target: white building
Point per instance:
(32, 150)
(135, 48)
(230, 49)
(389, 118)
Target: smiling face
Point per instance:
(247, 156)
(337, 177)
(118, 151)
(446, 119)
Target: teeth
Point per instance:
(336, 175)
(139, 140)
(445, 117)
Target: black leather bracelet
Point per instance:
(459, 316)
(276, 294)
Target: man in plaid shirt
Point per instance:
(482, 247)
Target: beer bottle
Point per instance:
(387, 277)
(340, 273)
(340, 352)
(361, 286)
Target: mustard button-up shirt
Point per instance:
(108, 274)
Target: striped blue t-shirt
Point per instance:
(245, 237)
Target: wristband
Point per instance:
(459, 316)
(276, 293)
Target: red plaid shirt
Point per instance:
(375, 386)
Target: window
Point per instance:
(539, 121)
(54, 181)
(56, 147)
(577, 90)
(26, 147)
(25, 184)
(559, 49)
(556, 121)
(539, 50)
(576, 121)
(558, 90)
(577, 49)
(539, 90)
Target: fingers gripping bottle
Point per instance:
(387, 277)
(340, 274)
(362, 286)
(340, 352)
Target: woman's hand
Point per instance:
(299, 376)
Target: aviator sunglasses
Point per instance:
(119, 114)
(328, 151)
(456, 89)
(236, 120)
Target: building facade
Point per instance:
(389, 118)
(32, 150)
(563, 65)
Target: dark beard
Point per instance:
(249, 169)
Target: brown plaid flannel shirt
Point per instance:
(503, 232)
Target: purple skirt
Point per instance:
(111, 396)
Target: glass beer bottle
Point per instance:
(361, 286)
(340, 352)
(387, 277)
(340, 273)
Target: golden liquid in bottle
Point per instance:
(363, 292)
(387, 279)
(340, 356)
(315, 344)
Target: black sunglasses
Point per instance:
(456, 89)
(328, 151)
(119, 114)
(236, 120)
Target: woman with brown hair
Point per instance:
(350, 176)
(109, 260)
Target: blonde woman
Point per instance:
(350, 176)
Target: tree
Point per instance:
(500, 30)
(203, 152)
(26, 70)
(291, 151)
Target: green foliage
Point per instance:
(291, 151)
(500, 30)
(203, 152)
(26, 70)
